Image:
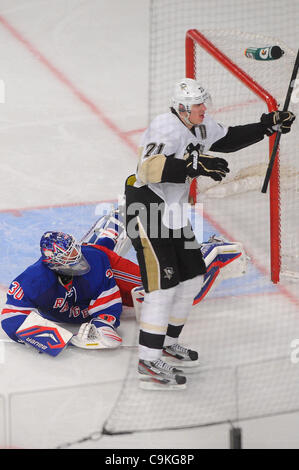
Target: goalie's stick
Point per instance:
(278, 134)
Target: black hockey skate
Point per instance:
(177, 355)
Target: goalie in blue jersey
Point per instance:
(71, 283)
(88, 283)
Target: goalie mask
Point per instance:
(188, 92)
(62, 253)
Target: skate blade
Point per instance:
(179, 364)
(146, 384)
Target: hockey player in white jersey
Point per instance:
(174, 150)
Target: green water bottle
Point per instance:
(264, 53)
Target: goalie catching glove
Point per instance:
(277, 120)
(205, 165)
(97, 334)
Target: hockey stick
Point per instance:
(278, 134)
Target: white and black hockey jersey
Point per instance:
(168, 137)
(163, 149)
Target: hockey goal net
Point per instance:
(242, 89)
(244, 328)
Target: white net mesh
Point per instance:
(245, 371)
(244, 329)
(234, 103)
(247, 24)
(170, 19)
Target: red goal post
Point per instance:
(193, 38)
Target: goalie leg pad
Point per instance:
(224, 260)
(109, 231)
(44, 335)
(138, 298)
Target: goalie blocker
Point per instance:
(44, 335)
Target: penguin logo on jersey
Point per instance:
(194, 150)
(169, 272)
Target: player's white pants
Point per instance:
(181, 307)
(163, 315)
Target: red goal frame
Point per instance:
(193, 37)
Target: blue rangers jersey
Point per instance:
(41, 290)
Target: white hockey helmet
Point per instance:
(188, 92)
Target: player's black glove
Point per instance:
(206, 165)
(277, 120)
